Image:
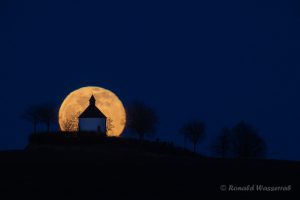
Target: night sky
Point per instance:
(218, 61)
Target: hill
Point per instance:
(124, 168)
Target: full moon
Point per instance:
(77, 101)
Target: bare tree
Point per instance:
(70, 124)
(223, 144)
(247, 143)
(109, 125)
(47, 114)
(31, 114)
(194, 131)
(141, 119)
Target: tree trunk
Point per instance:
(223, 151)
(142, 137)
(48, 127)
(34, 127)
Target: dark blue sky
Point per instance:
(219, 61)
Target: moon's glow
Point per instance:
(77, 101)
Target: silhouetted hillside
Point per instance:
(96, 143)
(131, 169)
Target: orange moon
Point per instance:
(77, 101)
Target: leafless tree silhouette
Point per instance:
(70, 124)
(47, 114)
(193, 131)
(31, 114)
(109, 125)
(223, 144)
(141, 119)
(247, 143)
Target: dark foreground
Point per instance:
(100, 175)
